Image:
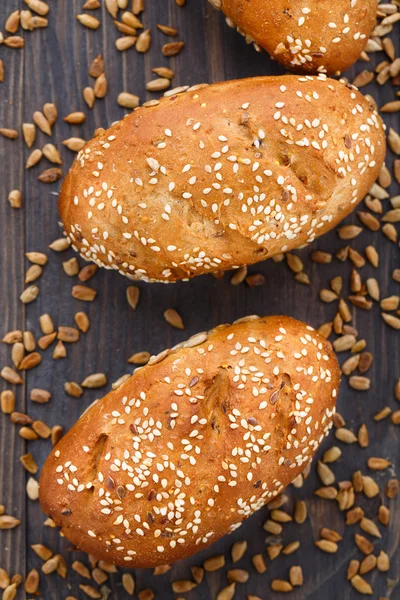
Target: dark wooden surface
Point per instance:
(53, 67)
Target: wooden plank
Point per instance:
(54, 67)
(12, 226)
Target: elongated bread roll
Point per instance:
(222, 176)
(193, 443)
(309, 35)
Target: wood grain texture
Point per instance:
(53, 67)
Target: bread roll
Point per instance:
(314, 35)
(193, 443)
(222, 176)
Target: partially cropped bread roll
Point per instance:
(326, 36)
(193, 443)
(222, 176)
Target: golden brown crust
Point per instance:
(308, 36)
(222, 176)
(194, 443)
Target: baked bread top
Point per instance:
(221, 176)
(323, 36)
(193, 443)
